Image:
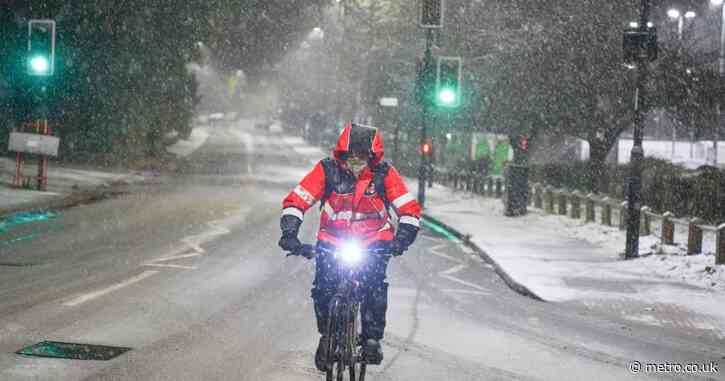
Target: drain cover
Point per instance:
(72, 351)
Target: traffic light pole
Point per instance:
(634, 195)
(425, 105)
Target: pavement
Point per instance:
(557, 259)
(68, 185)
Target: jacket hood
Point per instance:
(342, 149)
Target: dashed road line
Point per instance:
(95, 294)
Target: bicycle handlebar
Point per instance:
(309, 251)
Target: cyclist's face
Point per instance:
(357, 163)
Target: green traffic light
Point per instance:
(39, 65)
(447, 97)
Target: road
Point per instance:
(185, 271)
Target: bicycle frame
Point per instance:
(344, 350)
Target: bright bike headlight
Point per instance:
(350, 252)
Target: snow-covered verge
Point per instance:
(184, 148)
(565, 260)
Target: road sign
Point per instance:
(389, 102)
(34, 143)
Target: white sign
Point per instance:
(34, 143)
(389, 102)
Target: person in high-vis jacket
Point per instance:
(357, 191)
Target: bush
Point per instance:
(665, 187)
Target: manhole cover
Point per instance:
(72, 351)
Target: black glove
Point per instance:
(290, 225)
(289, 243)
(403, 238)
(396, 249)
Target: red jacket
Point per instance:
(353, 206)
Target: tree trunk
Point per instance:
(598, 177)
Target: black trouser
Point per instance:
(375, 291)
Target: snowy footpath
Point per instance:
(74, 181)
(565, 260)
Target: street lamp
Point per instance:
(719, 3)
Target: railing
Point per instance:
(566, 203)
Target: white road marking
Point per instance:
(461, 265)
(171, 266)
(460, 291)
(463, 282)
(175, 257)
(92, 295)
(192, 242)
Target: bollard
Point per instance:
(455, 180)
(623, 215)
(720, 245)
(549, 201)
(694, 237)
(562, 202)
(576, 205)
(606, 212)
(589, 208)
(668, 229)
(538, 202)
(530, 199)
(489, 190)
(644, 222)
(499, 191)
(469, 183)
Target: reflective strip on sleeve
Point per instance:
(293, 212)
(410, 221)
(402, 200)
(304, 194)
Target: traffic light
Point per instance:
(426, 148)
(448, 82)
(431, 13)
(639, 45)
(41, 48)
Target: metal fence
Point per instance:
(594, 209)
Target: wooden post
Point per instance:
(694, 237)
(548, 200)
(576, 205)
(499, 185)
(538, 202)
(562, 202)
(623, 215)
(606, 212)
(644, 222)
(589, 209)
(720, 249)
(668, 229)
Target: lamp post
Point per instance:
(634, 189)
(718, 128)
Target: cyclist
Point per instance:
(357, 191)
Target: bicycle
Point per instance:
(345, 346)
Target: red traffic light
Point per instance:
(426, 148)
